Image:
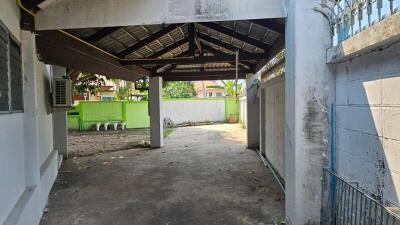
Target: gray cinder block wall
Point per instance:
(368, 122)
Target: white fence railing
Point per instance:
(349, 17)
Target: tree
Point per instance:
(230, 88)
(122, 92)
(179, 89)
(88, 82)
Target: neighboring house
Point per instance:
(208, 89)
(106, 93)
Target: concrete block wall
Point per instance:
(274, 114)
(368, 118)
(183, 111)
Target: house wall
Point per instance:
(28, 163)
(274, 114)
(11, 162)
(368, 118)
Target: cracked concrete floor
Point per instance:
(203, 175)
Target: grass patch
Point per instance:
(167, 131)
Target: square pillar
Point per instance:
(253, 112)
(155, 112)
(60, 125)
(261, 93)
(309, 90)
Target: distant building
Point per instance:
(106, 92)
(208, 89)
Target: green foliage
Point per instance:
(142, 85)
(230, 88)
(122, 89)
(179, 89)
(122, 92)
(88, 82)
(167, 131)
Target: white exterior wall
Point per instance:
(28, 163)
(274, 114)
(368, 119)
(194, 110)
(11, 162)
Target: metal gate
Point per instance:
(345, 204)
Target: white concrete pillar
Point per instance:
(253, 112)
(261, 93)
(31, 122)
(156, 113)
(309, 89)
(60, 126)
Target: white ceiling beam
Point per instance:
(70, 14)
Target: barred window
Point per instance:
(16, 76)
(11, 84)
(4, 102)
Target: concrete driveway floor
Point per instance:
(203, 175)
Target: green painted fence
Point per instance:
(106, 111)
(232, 108)
(134, 113)
(73, 122)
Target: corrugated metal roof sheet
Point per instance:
(125, 37)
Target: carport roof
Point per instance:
(191, 51)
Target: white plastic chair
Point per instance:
(98, 126)
(115, 126)
(106, 126)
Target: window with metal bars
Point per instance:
(11, 83)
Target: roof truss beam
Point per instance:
(101, 34)
(169, 48)
(210, 75)
(192, 41)
(251, 66)
(196, 60)
(237, 35)
(155, 68)
(219, 43)
(148, 40)
(55, 47)
(270, 24)
(195, 78)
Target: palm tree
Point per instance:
(230, 88)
